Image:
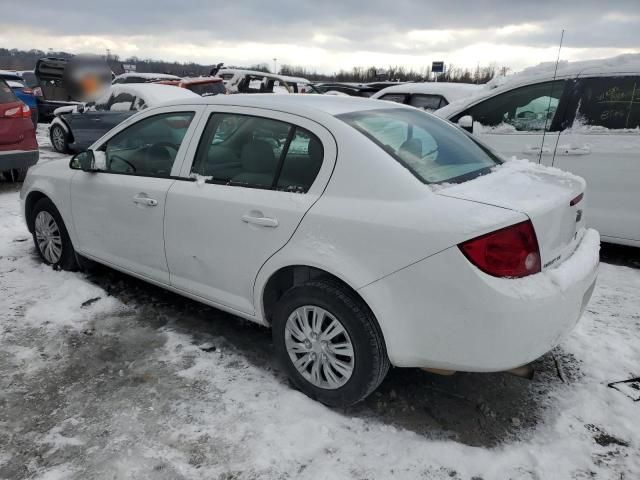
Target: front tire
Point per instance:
(50, 236)
(59, 139)
(328, 342)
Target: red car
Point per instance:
(203, 86)
(18, 145)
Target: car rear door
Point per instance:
(602, 146)
(258, 172)
(118, 211)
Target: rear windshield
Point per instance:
(6, 95)
(207, 89)
(432, 149)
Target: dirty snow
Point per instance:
(103, 376)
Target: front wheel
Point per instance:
(59, 139)
(329, 343)
(50, 236)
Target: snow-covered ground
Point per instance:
(102, 376)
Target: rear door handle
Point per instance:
(584, 150)
(260, 220)
(140, 199)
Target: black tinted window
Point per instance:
(610, 102)
(121, 102)
(249, 151)
(207, 89)
(394, 97)
(529, 108)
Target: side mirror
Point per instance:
(84, 161)
(466, 122)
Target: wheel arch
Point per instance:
(59, 120)
(32, 198)
(289, 276)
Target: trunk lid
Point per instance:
(550, 197)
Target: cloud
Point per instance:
(327, 35)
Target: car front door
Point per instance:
(514, 123)
(118, 210)
(602, 146)
(257, 174)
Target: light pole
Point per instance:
(275, 66)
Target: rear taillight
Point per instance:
(509, 252)
(22, 111)
(28, 91)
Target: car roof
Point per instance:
(451, 90)
(329, 104)
(153, 93)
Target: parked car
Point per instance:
(55, 91)
(298, 84)
(429, 96)
(249, 81)
(363, 234)
(586, 121)
(350, 89)
(24, 93)
(18, 146)
(138, 77)
(74, 128)
(203, 86)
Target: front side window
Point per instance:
(257, 152)
(529, 109)
(427, 102)
(121, 102)
(148, 147)
(610, 102)
(432, 149)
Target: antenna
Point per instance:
(555, 73)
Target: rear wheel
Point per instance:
(328, 343)
(50, 236)
(59, 139)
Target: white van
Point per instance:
(586, 121)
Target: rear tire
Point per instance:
(50, 236)
(59, 139)
(335, 369)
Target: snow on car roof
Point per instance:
(149, 76)
(330, 104)
(153, 93)
(452, 91)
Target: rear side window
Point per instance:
(433, 150)
(612, 103)
(427, 102)
(257, 152)
(6, 94)
(394, 97)
(528, 109)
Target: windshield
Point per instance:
(432, 149)
(207, 89)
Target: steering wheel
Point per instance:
(120, 159)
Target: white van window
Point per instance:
(531, 108)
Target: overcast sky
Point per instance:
(327, 35)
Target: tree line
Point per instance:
(14, 59)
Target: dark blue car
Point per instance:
(24, 93)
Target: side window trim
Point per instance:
(283, 156)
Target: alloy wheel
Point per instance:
(48, 237)
(319, 347)
(57, 138)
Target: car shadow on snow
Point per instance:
(475, 409)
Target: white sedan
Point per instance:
(364, 234)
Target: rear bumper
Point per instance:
(17, 159)
(444, 313)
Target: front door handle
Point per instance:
(144, 200)
(260, 220)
